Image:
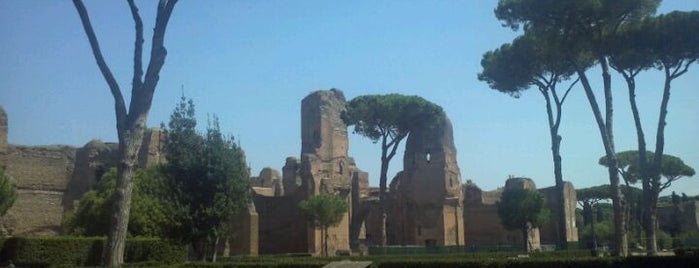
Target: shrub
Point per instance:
(690, 239)
(663, 239)
(85, 251)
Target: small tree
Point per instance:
(523, 210)
(323, 211)
(8, 192)
(207, 177)
(389, 119)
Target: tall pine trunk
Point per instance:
(554, 125)
(605, 129)
(651, 197)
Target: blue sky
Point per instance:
(251, 63)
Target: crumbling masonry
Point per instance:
(427, 204)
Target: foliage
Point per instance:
(519, 207)
(391, 115)
(150, 215)
(604, 232)
(522, 209)
(207, 175)
(323, 210)
(664, 240)
(85, 251)
(8, 192)
(525, 62)
(672, 169)
(690, 239)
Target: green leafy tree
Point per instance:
(208, 178)
(323, 211)
(8, 192)
(131, 122)
(150, 215)
(389, 119)
(523, 210)
(526, 63)
(583, 28)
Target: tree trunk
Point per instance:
(554, 124)
(652, 197)
(215, 249)
(325, 243)
(650, 225)
(525, 234)
(385, 160)
(594, 233)
(129, 145)
(382, 201)
(130, 125)
(621, 247)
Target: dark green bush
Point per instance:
(84, 251)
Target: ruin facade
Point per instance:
(426, 199)
(427, 205)
(51, 179)
(483, 226)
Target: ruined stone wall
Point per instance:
(324, 167)
(291, 178)
(686, 214)
(152, 148)
(426, 195)
(482, 222)
(51, 179)
(282, 228)
(549, 231)
(245, 238)
(91, 162)
(41, 174)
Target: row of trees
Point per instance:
(193, 198)
(596, 213)
(562, 41)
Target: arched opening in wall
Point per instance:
(451, 180)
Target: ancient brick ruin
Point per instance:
(483, 225)
(427, 203)
(51, 179)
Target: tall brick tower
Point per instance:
(427, 199)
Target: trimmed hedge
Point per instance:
(85, 251)
(674, 262)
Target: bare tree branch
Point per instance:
(138, 47)
(119, 105)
